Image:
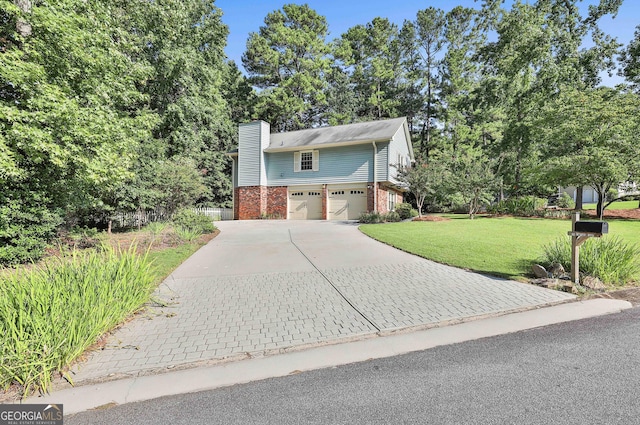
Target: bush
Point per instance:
(51, 314)
(185, 234)
(565, 201)
(609, 258)
(521, 206)
(191, 220)
(25, 232)
(370, 218)
(391, 217)
(376, 217)
(157, 227)
(405, 211)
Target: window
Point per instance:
(306, 161)
(392, 200)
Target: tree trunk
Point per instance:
(600, 206)
(578, 198)
(23, 27)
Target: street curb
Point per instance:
(141, 388)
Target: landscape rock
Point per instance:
(567, 286)
(546, 282)
(557, 270)
(593, 283)
(539, 271)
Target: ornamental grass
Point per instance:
(51, 313)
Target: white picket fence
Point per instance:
(140, 218)
(216, 213)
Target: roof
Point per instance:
(340, 135)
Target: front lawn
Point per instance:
(499, 246)
(618, 205)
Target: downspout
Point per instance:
(375, 186)
(234, 183)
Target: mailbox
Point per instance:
(600, 227)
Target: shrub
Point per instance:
(519, 206)
(405, 211)
(25, 232)
(370, 217)
(157, 227)
(565, 201)
(189, 219)
(609, 258)
(81, 237)
(376, 217)
(187, 235)
(49, 315)
(391, 216)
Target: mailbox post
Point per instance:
(580, 232)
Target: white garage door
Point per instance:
(347, 203)
(305, 203)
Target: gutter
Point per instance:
(323, 145)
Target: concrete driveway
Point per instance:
(265, 287)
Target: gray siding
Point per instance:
(398, 146)
(252, 139)
(382, 162)
(347, 164)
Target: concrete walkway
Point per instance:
(265, 287)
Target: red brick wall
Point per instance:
(277, 202)
(382, 199)
(251, 202)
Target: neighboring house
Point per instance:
(327, 173)
(590, 196)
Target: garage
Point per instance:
(305, 203)
(347, 202)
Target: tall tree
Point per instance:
(70, 116)
(428, 34)
(630, 59)
(592, 138)
(182, 41)
(537, 54)
(287, 59)
(371, 54)
(459, 74)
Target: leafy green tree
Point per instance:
(183, 43)
(630, 59)
(474, 179)
(425, 181)
(592, 137)
(538, 54)
(70, 116)
(287, 60)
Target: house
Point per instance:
(326, 173)
(590, 195)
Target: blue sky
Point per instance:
(245, 16)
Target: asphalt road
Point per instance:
(583, 372)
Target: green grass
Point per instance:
(167, 260)
(499, 246)
(619, 205)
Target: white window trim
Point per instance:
(297, 161)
